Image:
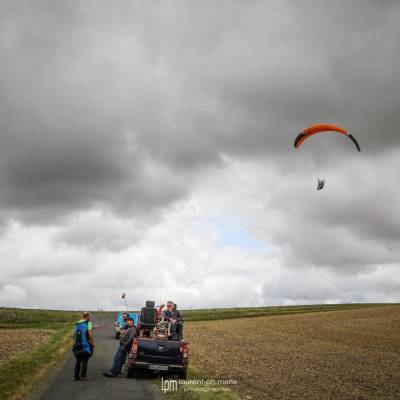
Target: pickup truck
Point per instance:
(154, 349)
(152, 354)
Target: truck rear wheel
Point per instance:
(132, 373)
(183, 374)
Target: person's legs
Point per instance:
(179, 330)
(173, 331)
(122, 359)
(118, 361)
(77, 367)
(84, 366)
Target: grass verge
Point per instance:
(20, 374)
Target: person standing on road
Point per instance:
(83, 346)
(125, 344)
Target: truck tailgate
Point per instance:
(159, 351)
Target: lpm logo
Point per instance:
(168, 385)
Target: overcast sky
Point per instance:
(147, 148)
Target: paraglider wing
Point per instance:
(322, 128)
(354, 141)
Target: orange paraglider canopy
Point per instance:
(323, 128)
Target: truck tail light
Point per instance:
(185, 349)
(135, 346)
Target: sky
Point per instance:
(146, 147)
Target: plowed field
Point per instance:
(341, 355)
(13, 342)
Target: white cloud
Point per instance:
(95, 256)
(12, 295)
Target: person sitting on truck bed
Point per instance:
(172, 315)
(125, 344)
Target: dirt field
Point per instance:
(337, 355)
(16, 341)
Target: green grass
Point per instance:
(247, 312)
(21, 318)
(19, 375)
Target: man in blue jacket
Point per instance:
(172, 315)
(83, 346)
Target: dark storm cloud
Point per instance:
(71, 112)
(187, 82)
(274, 69)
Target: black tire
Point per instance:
(132, 373)
(183, 374)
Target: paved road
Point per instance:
(61, 385)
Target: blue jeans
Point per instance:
(119, 360)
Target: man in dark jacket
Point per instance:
(173, 316)
(125, 317)
(125, 344)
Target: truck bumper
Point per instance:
(141, 365)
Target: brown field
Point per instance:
(338, 355)
(14, 342)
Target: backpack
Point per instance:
(81, 339)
